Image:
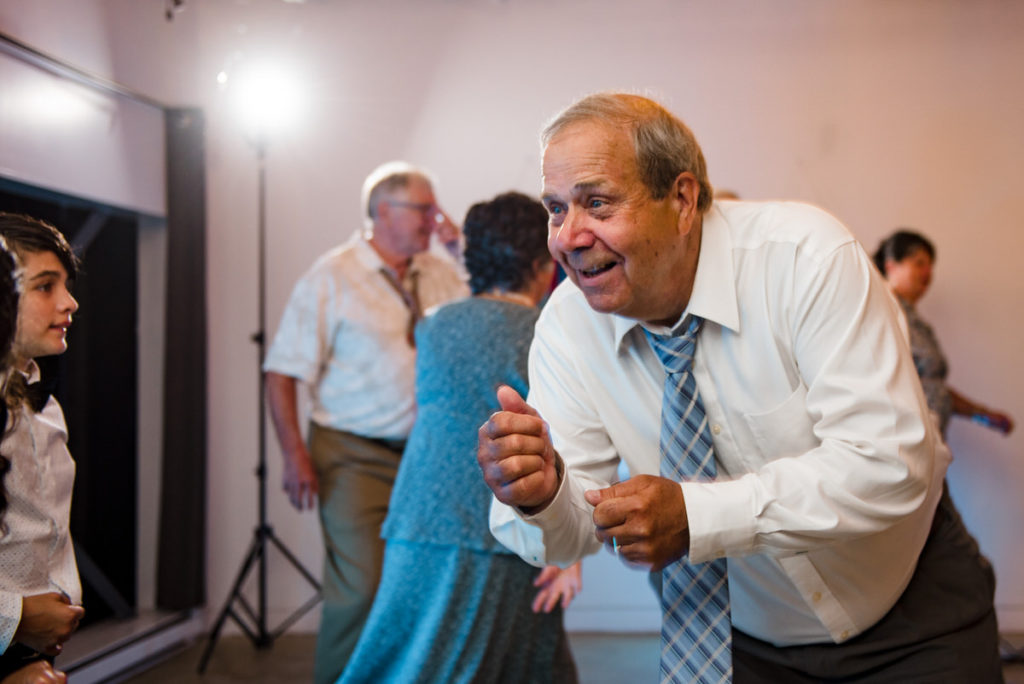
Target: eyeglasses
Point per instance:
(427, 211)
(421, 207)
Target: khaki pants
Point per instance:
(355, 477)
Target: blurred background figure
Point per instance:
(906, 259)
(346, 335)
(454, 605)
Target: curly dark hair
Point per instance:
(8, 323)
(8, 302)
(899, 246)
(505, 238)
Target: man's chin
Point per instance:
(602, 303)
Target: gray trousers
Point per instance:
(941, 630)
(355, 476)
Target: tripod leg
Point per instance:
(255, 551)
(292, 559)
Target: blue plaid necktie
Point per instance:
(696, 631)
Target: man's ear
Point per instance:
(381, 209)
(686, 194)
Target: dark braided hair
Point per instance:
(505, 237)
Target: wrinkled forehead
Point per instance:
(587, 154)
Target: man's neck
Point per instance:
(399, 263)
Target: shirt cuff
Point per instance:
(10, 618)
(567, 523)
(721, 518)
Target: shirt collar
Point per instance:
(714, 287)
(32, 374)
(369, 257)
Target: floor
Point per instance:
(600, 658)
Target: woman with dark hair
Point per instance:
(38, 671)
(39, 585)
(453, 604)
(12, 392)
(906, 259)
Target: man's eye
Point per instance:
(596, 203)
(555, 210)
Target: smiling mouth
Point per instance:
(594, 271)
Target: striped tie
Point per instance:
(696, 632)
(410, 297)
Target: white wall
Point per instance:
(64, 136)
(884, 113)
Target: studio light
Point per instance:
(267, 99)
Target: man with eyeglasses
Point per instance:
(347, 334)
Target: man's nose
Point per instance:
(573, 232)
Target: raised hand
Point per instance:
(516, 455)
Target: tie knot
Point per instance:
(676, 351)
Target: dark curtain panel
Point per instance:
(98, 388)
(181, 574)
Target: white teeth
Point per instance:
(596, 269)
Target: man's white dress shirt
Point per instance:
(344, 333)
(36, 553)
(830, 467)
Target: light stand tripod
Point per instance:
(256, 627)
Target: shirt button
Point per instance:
(716, 429)
(719, 553)
(816, 596)
(845, 635)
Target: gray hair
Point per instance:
(387, 178)
(664, 146)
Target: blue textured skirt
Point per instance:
(448, 614)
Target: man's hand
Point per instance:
(299, 479)
(557, 586)
(447, 232)
(647, 517)
(516, 455)
(38, 672)
(47, 621)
